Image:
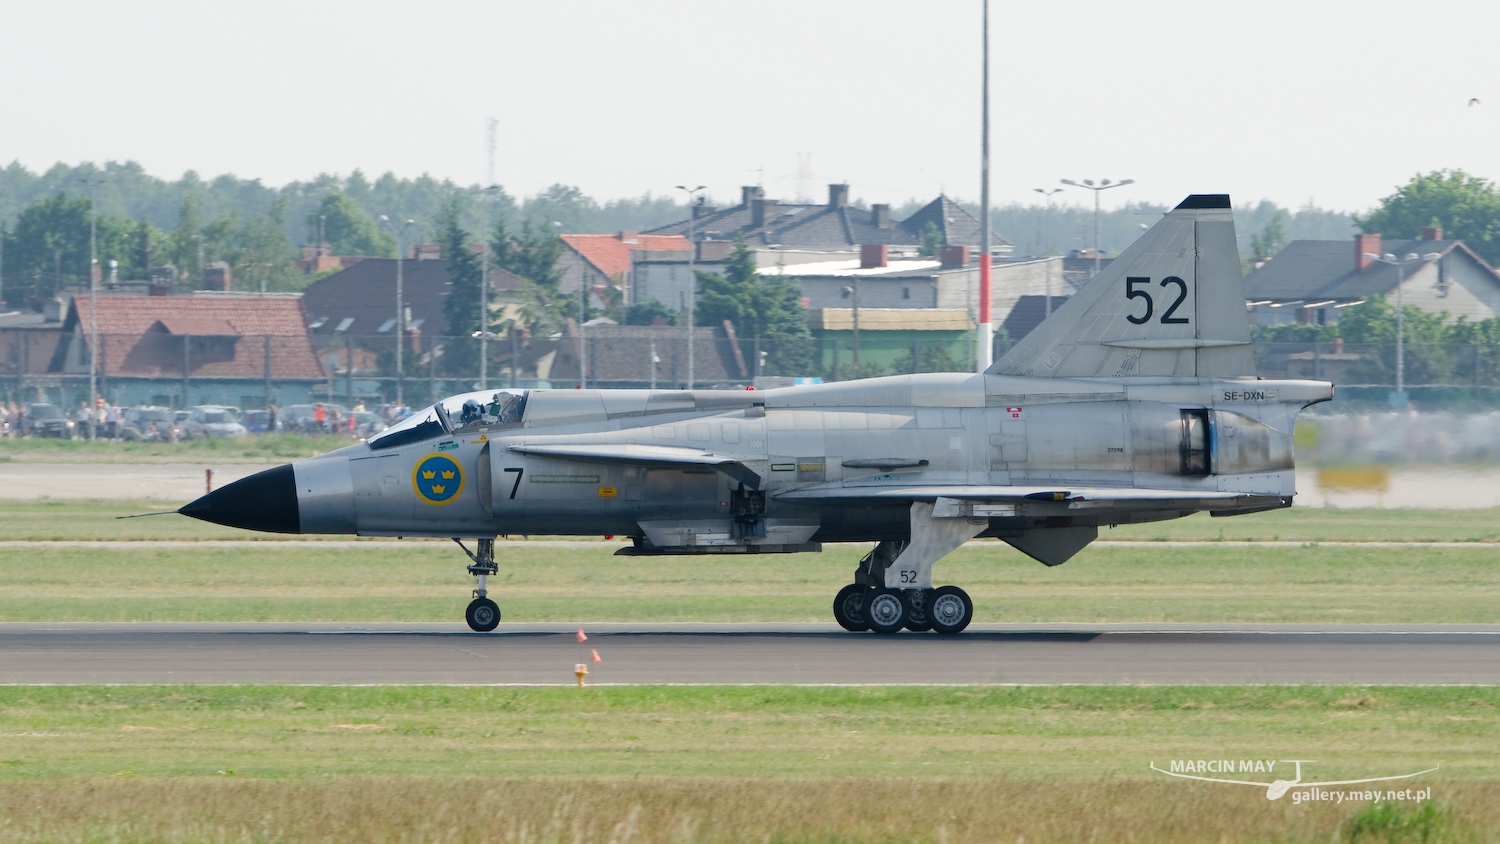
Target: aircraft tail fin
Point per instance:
(1172, 304)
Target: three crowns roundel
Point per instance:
(437, 478)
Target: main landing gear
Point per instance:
(868, 604)
(483, 614)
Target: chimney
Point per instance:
(714, 250)
(838, 196)
(702, 210)
(1365, 243)
(954, 256)
(882, 216)
(628, 236)
(761, 211)
(1434, 233)
(871, 255)
(749, 193)
(158, 288)
(216, 277)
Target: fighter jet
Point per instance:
(1136, 401)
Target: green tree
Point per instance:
(758, 307)
(932, 241)
(562, 204)
(461, 306)
(648, 312)
(1467, 207)
(351, 231)
(48, 248)
(532, 257)
(1269, 240)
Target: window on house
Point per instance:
(906, 293)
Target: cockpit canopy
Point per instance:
(484, 410)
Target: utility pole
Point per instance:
(583, 316)
(93, 182)
(1398, 399)
(400, 307)
(1048, 193)
(692, 274)
(484, 272)
(1104, 185)
(986, 338)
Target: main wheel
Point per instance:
(885, 610)
(849, 608)
(950, 609)
(483, 615)
(917, 620)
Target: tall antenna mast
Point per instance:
(986, 329)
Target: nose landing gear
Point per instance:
(483, 615)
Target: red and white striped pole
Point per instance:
(985, 338)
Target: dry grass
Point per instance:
(432, 809)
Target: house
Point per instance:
(1311, 281)
(892, 340)
(604, 260)
(634, 356)
(201, 348)
(786, 235)
(357, 306)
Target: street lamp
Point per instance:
(94, 182)
(484, 332)
(1048, 193)
(854, 292)
(692, 273)
(1104, 185)
(397, 232)
(1399, 397)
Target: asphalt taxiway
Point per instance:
(132, 653)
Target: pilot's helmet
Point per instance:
(471, 411)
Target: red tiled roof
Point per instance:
(232, 328)
(611, 255)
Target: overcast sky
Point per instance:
(1293, 101)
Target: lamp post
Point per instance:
(1399, 397)
(692, 292)
(93, 182)
(985, 336)
(397, 232)
(484, 286)
(1048, 193)
(1104, 185)
(853, 291)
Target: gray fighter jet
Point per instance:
(1136, 401)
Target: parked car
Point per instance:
(367, 424)
(302, 418)
(47, 420)
(148, 424)
(257, 421)
(212, 420)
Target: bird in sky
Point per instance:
(1474, 101)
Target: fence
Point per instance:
(44, 364)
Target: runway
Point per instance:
(810, 654)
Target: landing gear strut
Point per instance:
(483, 615)
(868, 604)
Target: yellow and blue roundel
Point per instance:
(437, 479)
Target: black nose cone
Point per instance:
(264, 501)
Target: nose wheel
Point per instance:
(483, 615)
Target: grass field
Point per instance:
(425, 581)
(267, 763)
(248, 449)
(44, 519)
